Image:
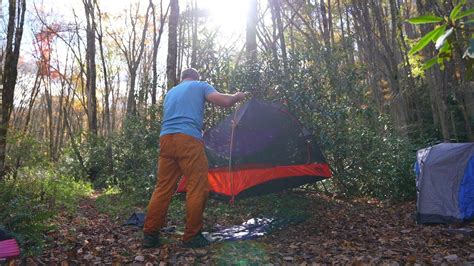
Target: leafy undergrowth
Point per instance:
(31, 200)
(337, 231)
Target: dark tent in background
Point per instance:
(259, 149)
(445, 183)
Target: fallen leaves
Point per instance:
(339, 231)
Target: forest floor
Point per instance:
(337, 231)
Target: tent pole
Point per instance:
(231, 173)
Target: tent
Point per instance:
(261, 148)
(445, 183)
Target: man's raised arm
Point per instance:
(225, 100)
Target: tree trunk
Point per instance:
(326, 34)
(172, 45)
(442, 105)
(100, 34)
(91, 73)
(341, 21)
(348, 29)
(251, 46)
(73, 141)
(156, 44)
(16, 19)
(59, 126)
(34, 93)
(49, 111)
(194, 28)
(275, 6)
(272, 43)
(390, 45)
(181, 31)
(251, 33)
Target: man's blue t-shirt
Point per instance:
(184, 108)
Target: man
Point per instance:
(182, 153)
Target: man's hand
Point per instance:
(240, 96)
(225, 100)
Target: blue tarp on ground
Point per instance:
(136, 219)
(251, 229)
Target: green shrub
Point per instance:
(135, 154)
(126, 159)
(32, 198)
(26, 150)
(368, 162)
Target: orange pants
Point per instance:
(180, 154)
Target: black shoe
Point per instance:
(151, 241)
(198, 241)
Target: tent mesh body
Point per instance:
(445, 183)
(259, 149)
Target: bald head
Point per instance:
(190, 74)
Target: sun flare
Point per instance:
(229, 15)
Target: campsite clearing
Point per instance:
(336, 231)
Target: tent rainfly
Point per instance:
(445, 183)
(260, 148)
